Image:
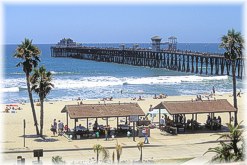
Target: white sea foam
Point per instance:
(171, 79)
(6, 90)
(63, 73)
(15, 85)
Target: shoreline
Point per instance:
(119, 98)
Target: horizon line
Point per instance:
(117, 43)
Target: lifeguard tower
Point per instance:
(156, 43)
(172, 42)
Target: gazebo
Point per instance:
(86, 111)
(196, 107)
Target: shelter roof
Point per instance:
(192, 107)
(103, 110)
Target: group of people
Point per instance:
(58, 128)
(9, 108)
(161, 96)
(107, 99)
(213, 123)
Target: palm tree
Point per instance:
(119, 149)
(228, 152)
(140, 145)
(100, 149)
(57, 160)
(223, 153)
(233, 44)
(234, 135)
(41, 84)
(29, 54)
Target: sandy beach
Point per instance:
(12, 131)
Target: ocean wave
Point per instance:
(64, 73)
(171, 79)
(17, 73)
(7, 90)
(87, 82)
(11, 85)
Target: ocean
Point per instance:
(75, 78)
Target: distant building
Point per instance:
(172, 41)
(67, 42)
(156, 43)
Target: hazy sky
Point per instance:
(120, 23)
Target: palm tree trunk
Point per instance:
(234, 92)
(141, 155)
(97, 156)
(41, 115)
(32, 104)
(118, 157)
(235, 147)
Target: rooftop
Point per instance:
(189, 107)
(156, 38)
(103, 110)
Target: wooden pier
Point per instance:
(177, 60)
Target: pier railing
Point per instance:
(178, 60)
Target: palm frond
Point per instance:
(140, 145)
(105, 154)
(41, 81)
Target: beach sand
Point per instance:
(167, 147)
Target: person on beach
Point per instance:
(239, 93)
(54, 127)
(155, 96)
(140, 98)
(128, 134)
(162, 121)
(97, 134)
(106, 133)
(150, 108)
(219, 120)
(145, 134)
(66, 128)
(60, 128)
(213, 91)
(95, 126)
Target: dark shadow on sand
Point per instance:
(213, 141)
(33, 136)
(205, 130)
(46, 140)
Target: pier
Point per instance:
(170, 58)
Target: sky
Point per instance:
(112, 23)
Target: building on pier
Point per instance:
(67, 42)
(172, 43)
(156, 43)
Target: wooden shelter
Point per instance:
(196, 107)
(102, 111)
